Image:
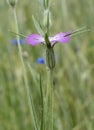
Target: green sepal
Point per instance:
(50, 58)
(47, 41)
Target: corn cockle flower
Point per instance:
(35, 39)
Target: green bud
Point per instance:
(12, 3)
(50, 58)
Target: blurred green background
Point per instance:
(74, 71)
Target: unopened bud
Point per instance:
(50, 58)
(12, 3)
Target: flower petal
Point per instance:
(35, 39)
(52, 40)
(60, 37)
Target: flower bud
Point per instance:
(50, 58)
(12, 3)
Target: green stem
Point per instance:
(51, 97)
(42, 104)
(24, 72)
(46, 99)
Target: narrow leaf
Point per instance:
(17, 34)
(38, 28)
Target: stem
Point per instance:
(42, 104)
(51, 97)
(24, 72)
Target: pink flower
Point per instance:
(61, 37)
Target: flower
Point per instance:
(61, 37)
(35, 39)
(41, 60)
(14, 41)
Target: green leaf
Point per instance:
(22, 35)
(38, 28)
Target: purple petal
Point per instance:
(52, 40)
(35, 39)
(60, 37)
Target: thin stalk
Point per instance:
(24, 72)
(48, 23)
(31, 72)
(46, 99)
(42, 104)
(51, 98)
